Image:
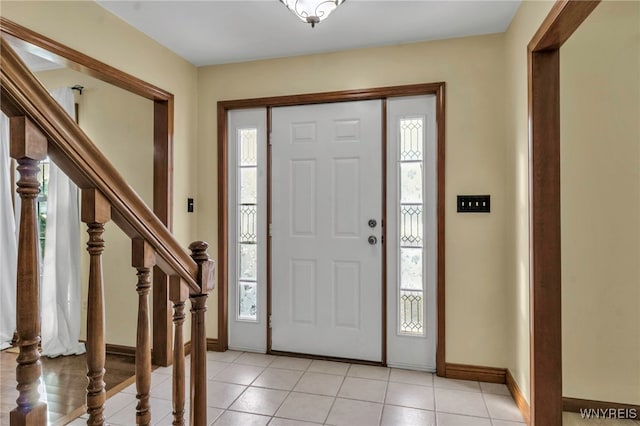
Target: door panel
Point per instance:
(346, 281)
(303, 197)
(346, 191)
(303, 290)
(326, 184)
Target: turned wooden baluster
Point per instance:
(178, 294)
(96, 211)
(28, 147)
(143, 259)
(198, 395)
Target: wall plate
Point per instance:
(474, 203)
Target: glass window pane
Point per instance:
(248, 223)
(411, 225)
(248, 185)
(248, 261)
(411, 312)
(411, 134)
(247, 301)
(411, 183)
(411, 209)
(411, 269)
(248, 147)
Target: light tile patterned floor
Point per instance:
(246, 389)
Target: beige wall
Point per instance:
(121, 125)
(600, 176)
(473, 69)
(85, 26)
(528, 18)
(117, 121)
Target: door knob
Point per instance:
(372, 223)
(372, 240)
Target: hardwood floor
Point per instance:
(65, 382)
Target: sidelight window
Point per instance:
(412, 234)
(247, 220)
(411, 226)
(247, 228)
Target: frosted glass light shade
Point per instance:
(312, 11)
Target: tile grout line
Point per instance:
(224, 410)
(486, 406)
(335, 398)
(384, 398)
(435, 405)
(294, 386)
(289, 392)
(251, 386)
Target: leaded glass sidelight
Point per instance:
(247, 215)
(411, 226)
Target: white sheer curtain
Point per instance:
(60, 295)
(8, 246)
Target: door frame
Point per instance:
(383, 93)
(544, 210)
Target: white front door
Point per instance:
(326, 194)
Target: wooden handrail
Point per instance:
(72, 150)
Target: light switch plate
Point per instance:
(474, 203)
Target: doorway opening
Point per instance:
(309, 259)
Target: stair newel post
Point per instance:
(178, 294)
(96, 211)
(143, 258)
(205, 280)
(28, 147)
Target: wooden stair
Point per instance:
(39, 127)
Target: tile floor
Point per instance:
(247, 389)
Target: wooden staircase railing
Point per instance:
(40, 127)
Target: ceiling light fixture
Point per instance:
(312, 11)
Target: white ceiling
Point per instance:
(217, 32)
(36, 63)
(35, 59)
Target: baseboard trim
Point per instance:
(213, 345)
(518, 397)
(130, 351)
(476, 373)
(573, 405)
(121, 350)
